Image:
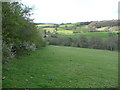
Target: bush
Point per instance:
(83, 41)
(18, 28)
(7, 51)
(95, 42)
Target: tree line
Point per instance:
(19, 33)
(93, 42)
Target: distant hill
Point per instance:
(44, 23)
(102, 23)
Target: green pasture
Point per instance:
(102, 28)
(104, 35)
(42, 25)
(62, 67)
(82, 27)
(65, 32)
(49, 29)
(72, 24)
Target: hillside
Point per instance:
(62, 67)
(94, 34)
(70, 54)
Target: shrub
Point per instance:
(18, 28)
(83, 41)
(94, 42)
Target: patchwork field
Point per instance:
(62, 67)
(63, 32)
(42, 25)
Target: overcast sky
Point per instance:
(65, 11)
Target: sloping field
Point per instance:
(104, 35)
(62, 67)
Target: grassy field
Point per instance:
(82, 27)
(49, 29)
(101, 29)
(69, 33)
(65, 32)
(62, 67)
(62, 32)
(72, 24)
(42, 25)
(104, 35)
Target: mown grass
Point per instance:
(42, 25)
(102, 28)
(45, 25)
(65, 32)
(72, 24)
(103, 35)
(82, 27)
(63, 67)
(49, 29)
